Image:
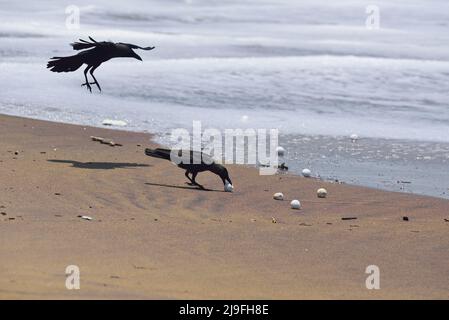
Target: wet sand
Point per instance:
(152, 236)
(418, 167)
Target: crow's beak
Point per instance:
(137, 56)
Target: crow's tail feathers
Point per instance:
(158, 153)
(65, 64)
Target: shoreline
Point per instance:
(322, 172)
(154, 237)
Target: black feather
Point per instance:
(65, 64)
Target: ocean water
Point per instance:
(312, 69)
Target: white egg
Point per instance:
(280, 151)
(228, 187)
(321, 193)
(278, 196)
(295, 204)
(306, 173)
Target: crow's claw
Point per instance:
(87, 84)
(196, 185)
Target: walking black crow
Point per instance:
(195, 162)
(97, 53)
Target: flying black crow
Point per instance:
(98, 53)
(195, 162)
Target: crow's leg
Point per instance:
(191, 183)
(194, 182)
(92, 74)
(87, 80)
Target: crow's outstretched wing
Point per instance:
(83, 44)
(133, 46)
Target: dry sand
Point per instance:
(152, 236)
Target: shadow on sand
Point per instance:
(100, 165)
(181, 187)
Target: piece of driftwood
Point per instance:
(104, 141)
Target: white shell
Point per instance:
(354, 137)
(306, 173)
(321, 193)
(228, 187)
(278, 196)
(280, 151)
(295, 204)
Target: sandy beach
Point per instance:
(152, 236)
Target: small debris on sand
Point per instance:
(446, 220)
(113, 144)
(86, 218)
(138, 267)
(99, 139)
(305, 224)
(273, 220)
(3, 213)
(349, 218)
(57, 194)
(405, 219)
(104, 141)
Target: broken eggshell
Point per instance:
(321, 193)
(278, 196)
